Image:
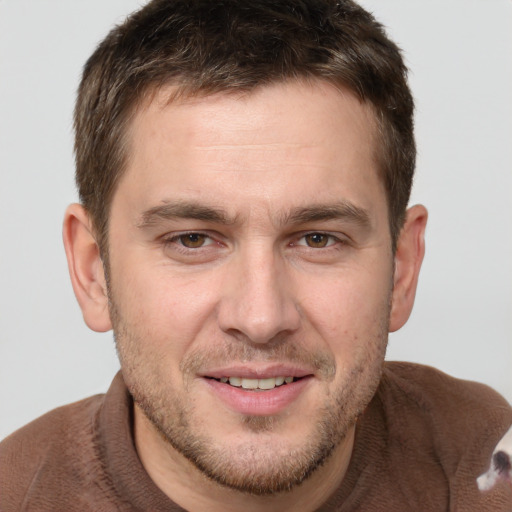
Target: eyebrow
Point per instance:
(343, 210)
(183, 210)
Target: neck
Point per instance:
(188, 487)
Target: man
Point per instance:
(244, 171)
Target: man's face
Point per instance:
(249, 243)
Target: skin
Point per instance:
(289, 268)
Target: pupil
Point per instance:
(192, 240)
(317, 240)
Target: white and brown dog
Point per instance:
(501, 464)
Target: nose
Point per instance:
(258, 301)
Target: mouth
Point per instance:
(256, 393)
(265, 384)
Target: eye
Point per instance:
(193, 240)
(317, 240)
(192, 247)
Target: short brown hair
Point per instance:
(205, 46)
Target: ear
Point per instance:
(86, 268)
(408, 257)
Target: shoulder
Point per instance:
(43, 446)
(455, 422)
(448, 401)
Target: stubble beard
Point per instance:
(259, 466)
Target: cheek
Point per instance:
(163, 311)
(350, 312)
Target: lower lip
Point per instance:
(258, 403)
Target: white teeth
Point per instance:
(235, 381)
(269, 383)
(249, 383)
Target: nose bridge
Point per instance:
(258, 301)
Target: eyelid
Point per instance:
(174, 237)
(334, 239)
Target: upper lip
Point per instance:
(257, 372)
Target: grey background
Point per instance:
(460, 54)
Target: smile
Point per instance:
(256, 384)
(264, 396)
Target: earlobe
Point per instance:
(86, 268)
(408, 258)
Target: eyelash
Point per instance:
(332, 240)
(175, 240)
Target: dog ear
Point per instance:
(408, 258)
(86, 268)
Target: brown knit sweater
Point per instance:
(420, 446)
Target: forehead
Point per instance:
(285, 142)
(315, 101)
